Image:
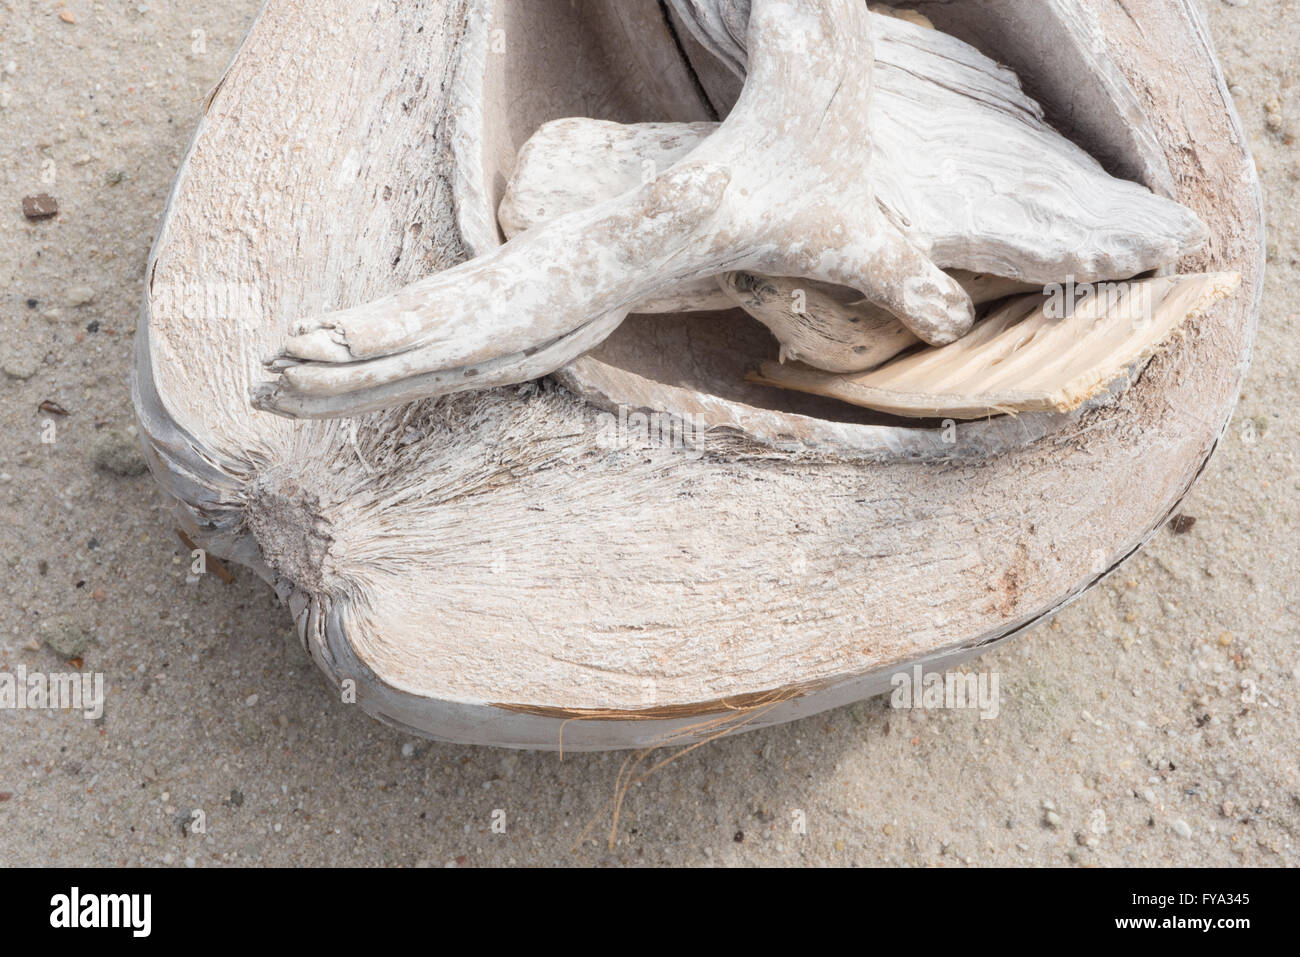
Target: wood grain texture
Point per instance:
(864, 151)
(486, 565)
(1033, 353)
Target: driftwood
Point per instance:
(529, 567)
(572, 164)
(1034, 354)
(872, 177)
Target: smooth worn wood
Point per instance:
(864, 151)
(527, 567)
(1035, 353)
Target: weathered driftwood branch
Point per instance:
(573, 164)
(949, 164)
(489, 567)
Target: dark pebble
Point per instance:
(40, 206)
(1182, 524)
(92, 326)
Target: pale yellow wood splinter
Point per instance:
(1034, 354)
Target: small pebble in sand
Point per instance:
(1182, 828)
(67, 16)
(1273, 115)
(1182, 524)
(81, 296)
(1052, 819)
(19, 367)
(40, 206)
(64, 637)
(117, 453)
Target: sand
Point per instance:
(1153, 722)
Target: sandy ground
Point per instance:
(1154, 721)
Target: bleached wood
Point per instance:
(824, 170)
(573, 164)
(832, 327)
(481, 566)
(782, 187)
(1028, 356)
